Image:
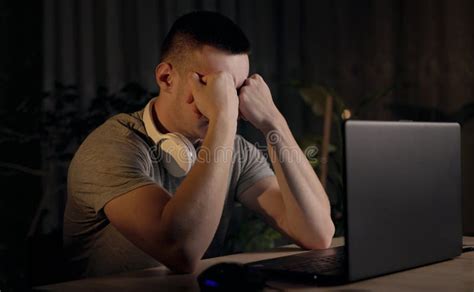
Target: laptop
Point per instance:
(402, 205)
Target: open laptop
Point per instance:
(402, 205)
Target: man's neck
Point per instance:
(165, 122)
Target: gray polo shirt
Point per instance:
(114, 159)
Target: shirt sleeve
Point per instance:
(254, 166)
(112, 161)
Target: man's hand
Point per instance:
(256, 103)
(215, 95)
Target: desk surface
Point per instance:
(451, 275)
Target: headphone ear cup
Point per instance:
(192, 155)
(178, 152)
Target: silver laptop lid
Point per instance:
(403, 187)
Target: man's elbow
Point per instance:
(327, 236)
(180, 261)
(320, 240)
(317, 243)
(183, 267)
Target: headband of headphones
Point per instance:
(150, 127)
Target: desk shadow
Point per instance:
(153, 279)
(282, 249)
(289, 248)
(148, 273)
(284, 286)
(277, 249)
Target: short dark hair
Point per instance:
(199, 28)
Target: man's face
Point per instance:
(204, 61)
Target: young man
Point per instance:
(128, 210)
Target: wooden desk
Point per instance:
(451, 275)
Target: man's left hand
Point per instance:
(256, 103)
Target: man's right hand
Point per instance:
(215, 95)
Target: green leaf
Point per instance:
(315, 96)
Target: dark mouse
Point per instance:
(230, 276)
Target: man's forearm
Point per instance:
(307, 207)
(190, 219)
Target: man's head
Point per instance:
(205, 43)
(193, 30)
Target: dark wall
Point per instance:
(20, 95)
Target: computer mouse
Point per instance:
(230, 276)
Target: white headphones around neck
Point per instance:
(176, 152)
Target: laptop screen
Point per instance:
(403, 195)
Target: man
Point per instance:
(127, 211)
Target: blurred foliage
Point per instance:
(59, 121)
(249, 232)
(315, 96)
(65, 123)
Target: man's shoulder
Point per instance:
(117, 127)
(118, 135)
(122, 123)
(239, 139)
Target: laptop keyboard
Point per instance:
(327, 261)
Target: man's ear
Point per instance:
(163, 76)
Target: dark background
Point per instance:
(66, 65)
